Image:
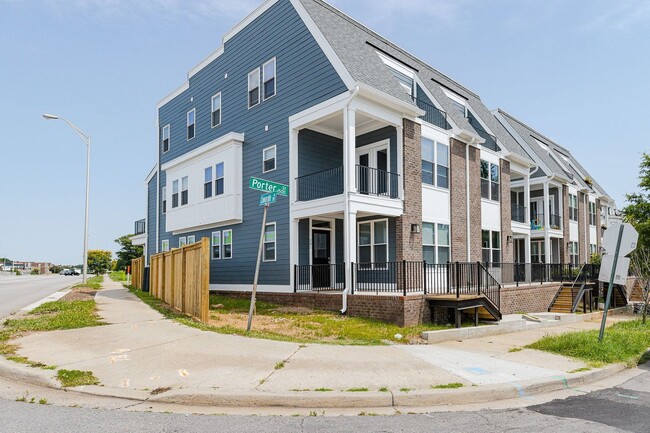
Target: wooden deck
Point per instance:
(462, 303)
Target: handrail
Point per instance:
(581, 293)
(578, 276)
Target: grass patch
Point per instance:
(323, 390)
(515, 349)
(357, 390)
(383, 389)
(71, 378)
(406, 390)
(55, 316)
(579, 370)
(94, 283)
(280, 365)
(625, 342)
(453, 385)
(118, 276)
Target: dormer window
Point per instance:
(457, 101)
(404, 76)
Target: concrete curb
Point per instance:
(314, 399)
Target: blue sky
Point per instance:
(575, 70)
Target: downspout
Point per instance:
(346, 291)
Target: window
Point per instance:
(191, 239)
(191, 122)
(268, 71)
(593, 249)
(207, 184)
(573, 207)
(165, 138)
(491, 243)
(165, 245)
(435, 243)
(573, 253)
(373, 241)
(592, 213)
(175, 194)
(537, 252)
(182, 241)
(435, 163)
(227, 244)
(216, 110)
(164, 199)
(254, 88)
(489, 181)
(219, 181)
(269, 242)
(268, 155)
(216, 245)
(184, 192)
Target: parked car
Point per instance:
(75, 271)
(65, 272)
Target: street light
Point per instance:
(86, 138)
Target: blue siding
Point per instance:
(318, 152)
(303, 242)
(152, 220)
(304, 78)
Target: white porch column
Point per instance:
(400, 161)
(527, 201)
(349, 186)
(293, 196)
(547, 221)
(527, 258)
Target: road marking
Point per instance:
(53, 297)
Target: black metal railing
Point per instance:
(321, 184)
(537, 221)
(140, 227)
(529, 273)
(490, 140)
(555, 222)
(319, 278)
(518, 212)
(432, 115)
(373, 181)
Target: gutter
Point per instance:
(346, 291)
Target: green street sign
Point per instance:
(268, 186)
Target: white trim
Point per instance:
(267, 288)
(249, 19)
(205, 62)
(275, 158)
(275, 242)
(331, 55)
(372, 149)
(319, 112)
(193, 238)
(187, 124)
(223, 245)
(409, 110)
(151, 174)
(182, 241)
(256, 72)
(164, 242)
(437, 104)
(275, 78)
(169, 138)
(212, 110)
(163, 193)
(224, 140)
(212, 245)
(331, 229)
(372, 239)
(178, 91)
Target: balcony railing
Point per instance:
(537, 222)
(373, 181)
(321, 184)
(528, 273)
(555, 222)
(319, 278)
(140, 227)
(518, 212)
(432, 115)
(490, 140)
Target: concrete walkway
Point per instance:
(140, 351)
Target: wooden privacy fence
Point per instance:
(137, 272)
(181, 278)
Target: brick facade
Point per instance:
(507, 247)
(583, 227)
(564, 250)
(476, 254)
(527, 299)
(409, 244)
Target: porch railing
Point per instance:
(432, 115)
(528, 273)
(518, 212)
(537, 221)
(321, 184)
(555, 222)
(373, 181)
(319, 278)
(140, 227)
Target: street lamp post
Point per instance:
(86, 138)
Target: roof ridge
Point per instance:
(385, 40)
(533, 130)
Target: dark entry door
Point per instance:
(321, 256)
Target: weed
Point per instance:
(323, 390)
(160, 390)
(280, 365)
(71, 378)
(579, 370)
(357, 390)
(452, 385)
(42, 401)
(313, 413)
(383, 389)
(515, 349)
(406, 390)
(94, 283)
(300, 389)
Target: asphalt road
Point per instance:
(17, 292)
(624, 408)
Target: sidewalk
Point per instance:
(140, 351)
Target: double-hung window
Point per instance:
(164, 199)
(165, 138)
(216, 245)
(491, 243)
(164, 245)
(593, 249)
(490, 181)
(435, 243)
(191, 239)
(268, 78)
(182, 241)
(219, 179)
(435, 163)
(191, 123)
(573, 253)
(227, 244)
(207, 184)
(573, 207)
(269, 242)
(184, 191)
(268, 156)
(254, 87)
(215, 119)
(592, 213)
(175, 194)
(373, 242)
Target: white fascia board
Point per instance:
(432, 99)
(183, 87)
(407, 110)
(249, 19)
(205, 62)
(151, 174)
(504, 122)
(517, 159)
(467, 137)
(319, 111)
(224, 140)
(324, 44)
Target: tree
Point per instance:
(640, 265)
(99, 261)
(637, 212)
(128, 252)
(56, 269)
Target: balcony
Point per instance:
(328, 183)
(139, 233)
(537, 222)
(140, 227)
(490, 140)
(432, 115)
(518, 213)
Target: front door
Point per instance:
(321, 257)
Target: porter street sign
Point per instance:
(268, 186)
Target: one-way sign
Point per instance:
(629, 238)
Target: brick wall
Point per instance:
(583, 228)
(457, 200)
(409, 245)
(527, 299)
(564, 251)
(476, 254)
(507, 248)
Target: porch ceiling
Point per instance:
(334, 125)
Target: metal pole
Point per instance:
(257, 271)
(85, 264)
(608, 300)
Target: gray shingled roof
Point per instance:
(351, 41)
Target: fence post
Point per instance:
(457, 279)
(352, 277)
(448, 276)
(478, 277)
(295, 280)
(404, 275)
(424, 269)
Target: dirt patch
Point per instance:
(80, 294)
(303, 311)
(276, 325)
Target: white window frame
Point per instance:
(182, 241)
(191, 239)
(164, 245)
(215, 236)
(274, 242)
(372, 244)
(571, 208)
(216, 193)
(574, 251)
(436, 164)
(224, 243)
(491, 248)
(254, 72)
(187, 190)
(592, 215)
(169, 140)
(188, 124)
(275, 79)
(164, 200)
(489, 180)
(436, 241)
(275, 159)
(212, 110)
(208, 181)
(176, 192)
